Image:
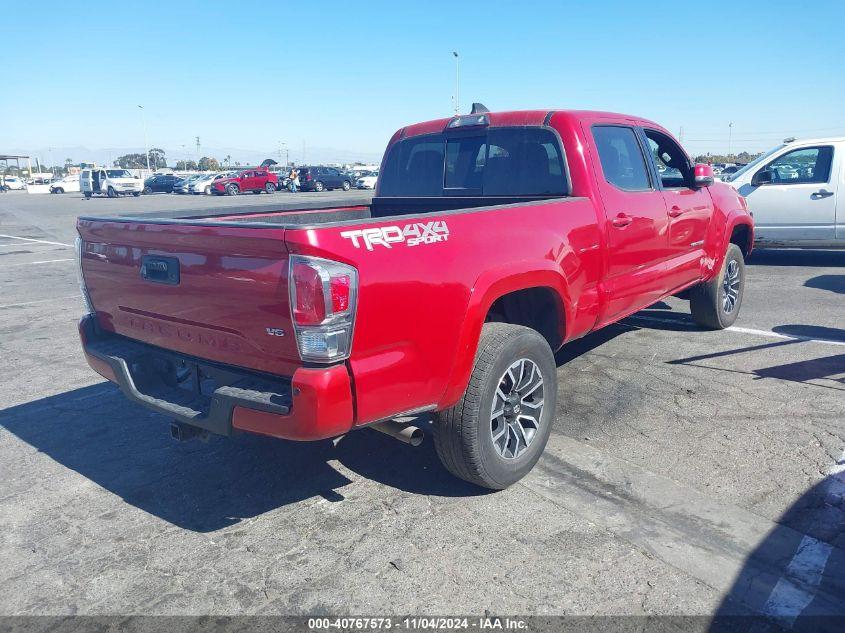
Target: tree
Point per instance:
(157, 158)
(132, 161)
(209, 164)
(186, 165)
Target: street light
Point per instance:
(146, 143)
(730, 134)
(457, 76)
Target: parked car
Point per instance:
(203, 184)
(11, 183)
(447, 294)
(67, 184)
(160, 183)
(323, 179)
(367, 180)
(794, 192)
(254, 180)
(109, 182)
(183, 185)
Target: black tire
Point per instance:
(464, 434)
(318, 186)
(270, 187)
(111, 193)
(136, 193)
(715, 304)
(232, 190)
(58, 190)
(346, 185)
(148, 190)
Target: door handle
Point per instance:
(621, 221)
(675, 211)
(821, 193)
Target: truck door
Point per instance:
(635, 222)
(793, 197)
(689, 209)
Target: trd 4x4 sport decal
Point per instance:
(411, 234)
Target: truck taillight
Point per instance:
(323, 297)
(80, 246)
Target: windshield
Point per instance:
(506, 161)
(752, 164)
(118, 173)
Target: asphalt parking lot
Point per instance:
(689, 472)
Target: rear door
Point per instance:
(689, 209)
(636, 221)
(793, 197)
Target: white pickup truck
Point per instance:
(794, 192)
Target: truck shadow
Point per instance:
(204, 487)
(797, 257)
(833, 283)
(795, 578)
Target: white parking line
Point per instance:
(45, 261)
(30, 303)
(787, 600)
(744, 330)
(29, 239)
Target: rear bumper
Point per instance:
(313, 404)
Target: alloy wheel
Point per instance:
(730, 286)
(517, 408)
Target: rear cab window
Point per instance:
(496, 161)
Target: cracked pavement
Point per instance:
(683, 472)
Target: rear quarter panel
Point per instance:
(420, 308)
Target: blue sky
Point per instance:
(344, 76)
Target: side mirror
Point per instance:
(762, 177)
(703, 175)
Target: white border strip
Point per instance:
(743, 330)
(29, 239)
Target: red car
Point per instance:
(493, 240)
(254, 180)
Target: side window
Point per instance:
(673, 166)
(801, 166)
(622, 160)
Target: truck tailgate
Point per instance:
(215, 292)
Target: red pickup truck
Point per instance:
(493, 239)
(254, 180)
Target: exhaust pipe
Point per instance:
(182, 432)
(412, 435)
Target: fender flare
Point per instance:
(734, 219)
(490, 286)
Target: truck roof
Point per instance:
(523, 117)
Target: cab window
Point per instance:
(622, 160)
(801, 166)
(673, 165)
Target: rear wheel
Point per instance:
(136, 193)
(58, 190)
(715, 304)
(111, 193)
(346, 185)
(232, 190)
(148, 190)
(270, 187)
(318, 186)
(498, 429)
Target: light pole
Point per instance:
(730, 134)
(457, 77)
(287, 153)
(146, 142)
